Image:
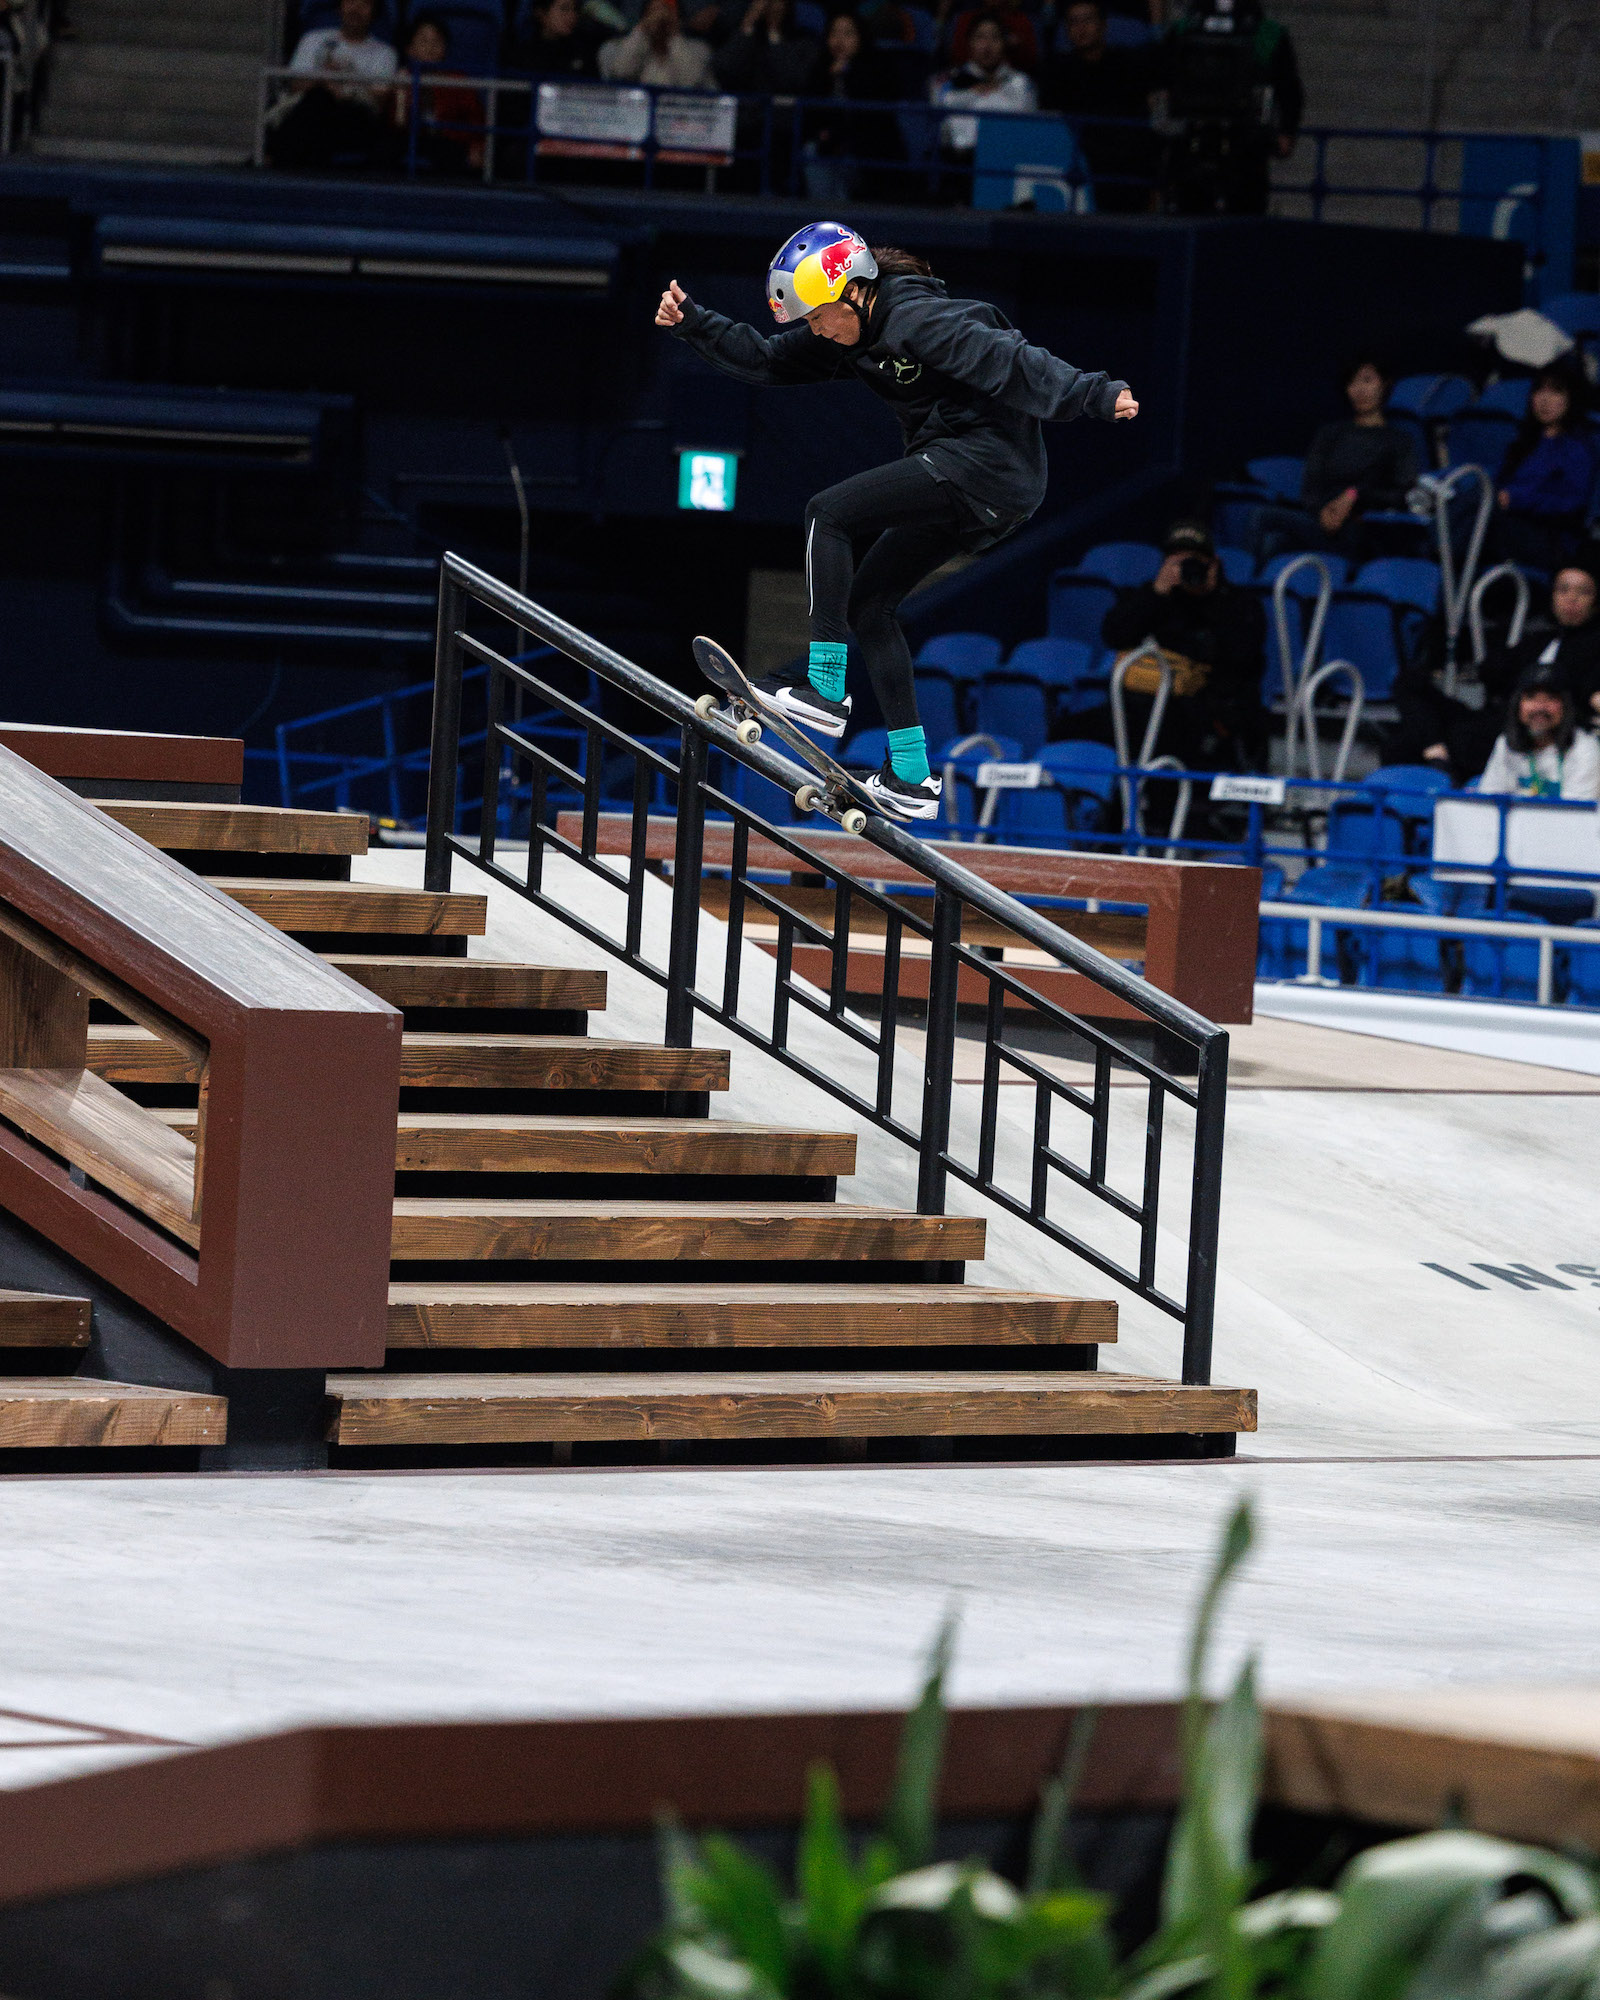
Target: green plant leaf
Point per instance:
(740, 1906)
(1049, 1864)
(910, 1819)
(1398, 1900)
(832, 1894)
(701, 1973)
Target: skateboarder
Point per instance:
(970, 394)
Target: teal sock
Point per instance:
(825, 668)
(908, 755)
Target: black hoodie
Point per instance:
(969, 391)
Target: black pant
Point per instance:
(913, 523)
(321, 130)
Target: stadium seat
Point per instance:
(1481, 437)
(1577, 313)
(1409, 791)
(962, 803)
(1584, 968)
(325, 14)
(1086, 771)
(1071, 671)
(1284, 941)
(475, 28)
(1431, 396)
(1507, 399)
(1402, 579)
(1010, 705)
(1124, 32)
(1077, 607)
(1376, 636)
(1503, 969)
(1238, 565)
(1279, 478)
(963, 656)
(866, 750)
(1124, 564)
(939, 707)
(927, 29)
(810, 19)
(1306, 583)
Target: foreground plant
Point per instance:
(1443, 1916)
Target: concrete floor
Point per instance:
(1427, 1480)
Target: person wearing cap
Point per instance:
(1543, 754)
(1437, 728)
(657, 52)
(1213, 639)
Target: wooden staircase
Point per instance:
(585, 1259)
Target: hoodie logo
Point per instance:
(905, 372)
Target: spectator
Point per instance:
(1213, 637)
(1548, 473)
(886, 21)
(837, 140)
(658, 52)
(1234, 92)
(984, 82)
(1022, 43)
(24, 37)
(1092, 80)
(335, 112)
(1435, 728)
(1543, 754)
(768, 57)
(450, 116)
(1353, 466)
(557, 41)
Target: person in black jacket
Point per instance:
(1213, 639)
(1094, 82)
(1359, 465)
(970, 394)
(1436, 728)
(838, 140)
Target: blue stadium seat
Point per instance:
(1502, 969)
(1374, 635)
(963, 656)
(1278, 477)
(927, 29)
(810, 19)
(1430, 396)
(1481, 437)
(1508, 399)
(1305, 584)
(1577, 313)
(1077, 606)
(1284, 942)
(1238, 565)
(939, 707)
(474, 28)
(1073, 672)
(1409, 791)
(325, 14)
(963, 805)
(1584, 968)
(866, 750)
(1402, 579)
(1124, 564)
(1009, 705)
(1086, 771)
(1032, 819)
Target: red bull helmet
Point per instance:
(813, 268)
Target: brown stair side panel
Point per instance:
(444, 1316)
(524, 1409)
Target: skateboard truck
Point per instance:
(817, 799)
(745, 726)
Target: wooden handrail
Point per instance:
(267, 1242)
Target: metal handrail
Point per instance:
(950, 963)
(1294, 675)
(1306, 706)
(1455, 590)
(1317, 915)
(1519, 617)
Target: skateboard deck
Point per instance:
(841, 796)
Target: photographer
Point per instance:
(1213, 637)
(1234, 101)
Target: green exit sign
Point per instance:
(706, 479)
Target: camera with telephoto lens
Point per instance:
(1194, 572)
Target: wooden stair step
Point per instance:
(298, 904)
(696, 1316)
(75, 1411)
(43, 1319)
(651, 1231)
(505, 1062)
(472, 982)
(463, 1142)
(209, 829)
(383, 1409)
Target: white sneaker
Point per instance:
(903, 799)
(800, 701)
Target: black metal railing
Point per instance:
(908, 946)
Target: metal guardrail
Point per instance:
(1319, 917)
(954, 970)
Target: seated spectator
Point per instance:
(984, 82)
(1092, 80)
(657, 51)
(1436, 728)
(450, 117)
(1543, 754)
(837, 140)
(335, 113)
(1016, 25)
(768, 57)
(1353, 467)
(1548, 473)
(557, 42)
(1213, 637)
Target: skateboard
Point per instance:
(840, 797)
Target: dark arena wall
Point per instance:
(174, 557)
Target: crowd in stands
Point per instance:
(1116, 75)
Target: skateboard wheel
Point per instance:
(854, 821)
(808, 798)
(706, 706)
(748, 732)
